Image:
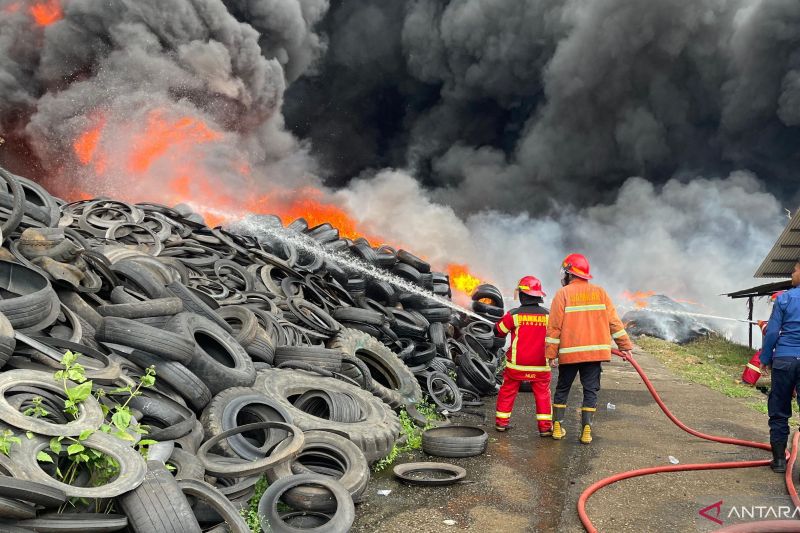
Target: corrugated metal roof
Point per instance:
(780, 261)
(762, 290)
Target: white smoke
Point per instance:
(693, 240)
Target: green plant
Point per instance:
(412, 433)
(250, 513)
(7, 438)
(71, 453)
(36, 411)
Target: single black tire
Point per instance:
(31, 491)
(224, 466)
(244, 405)
(33, 304)
(436, 314)
(352, 471)
(488, 292)
(140, 277)
(443, 392)
(375, 435)
(242, 321)
(477, 373)
(17, 204)
(488, 309)
(193, 303)
(324, 358)
(132, 468)
(74, 523)
(90, 415)
(454, 441)
(410, 259)
(219, 360)
(165, 344)
(187, 466)
(410, 473)
(357, 314)
(341, 521)
(184, 381)
(214, 498)
(158, 505)
(149, 308)
(392, 381)
(408, 273)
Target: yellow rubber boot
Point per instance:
(587, 414)
(558, 421)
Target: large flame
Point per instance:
(160, 159)
(46, 12)
(639, 298)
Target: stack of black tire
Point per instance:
(271, 360)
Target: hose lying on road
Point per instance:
(586, 494)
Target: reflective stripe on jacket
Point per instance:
(583, 323)
(528, 326)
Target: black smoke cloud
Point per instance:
(503, 134)
(510, 105)
(123, 59)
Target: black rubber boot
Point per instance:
(778, 463)
(558, 421)
(587, 413)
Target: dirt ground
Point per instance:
(528, 483)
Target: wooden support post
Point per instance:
(750, 317)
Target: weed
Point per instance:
(250, 513)
(70, 454)
(412, 433)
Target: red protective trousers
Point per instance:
(540, 382)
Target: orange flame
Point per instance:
(161, 160)
(46, 12)
(639, 298)
(163, 136)
(85, 146)
(461, 279)
(308, 203)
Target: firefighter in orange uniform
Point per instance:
(583, 322)
(525, 359)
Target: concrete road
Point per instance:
(528, 483)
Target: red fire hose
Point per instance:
(586, 494)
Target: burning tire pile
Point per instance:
(223, 356)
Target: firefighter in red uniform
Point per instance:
(525, 360)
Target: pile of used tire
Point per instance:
(269, 361)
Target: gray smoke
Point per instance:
(499, 134)
(121, 60)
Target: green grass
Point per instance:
(412, 432)
(712, 361)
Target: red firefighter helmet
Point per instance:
(577, 265)
(531, 286)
